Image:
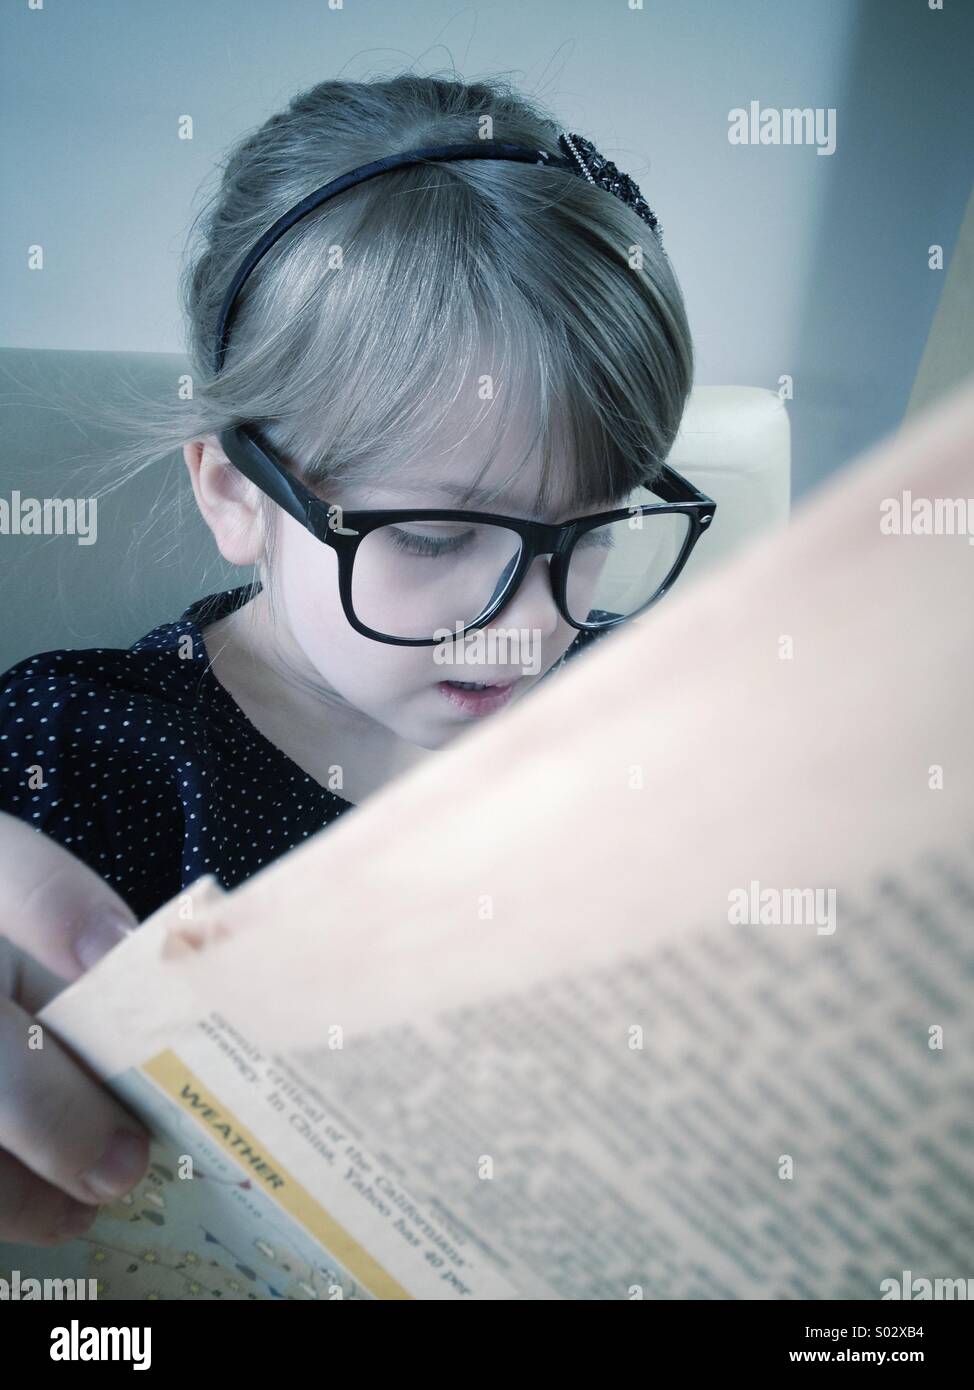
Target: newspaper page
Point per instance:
(657, 986)
(254, 1189)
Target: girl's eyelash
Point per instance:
(427, 545)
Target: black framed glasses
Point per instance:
(417, 576)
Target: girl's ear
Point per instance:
(229, 502)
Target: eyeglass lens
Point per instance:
(416, 578)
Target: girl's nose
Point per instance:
(533, 605)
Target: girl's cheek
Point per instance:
(309, 578)
(374, 676)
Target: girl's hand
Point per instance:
(65, 1143)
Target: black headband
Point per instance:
(582, 158)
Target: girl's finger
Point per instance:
(58, 1121)
(35, 1212)
(53, 905)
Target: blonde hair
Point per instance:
(349, 370)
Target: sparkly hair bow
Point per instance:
(604, 174)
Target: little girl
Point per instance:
(427, 329)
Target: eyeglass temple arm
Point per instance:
(244, 451)
(674, 487)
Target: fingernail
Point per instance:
(120, 1166)
(99, 935)
(76, 1219)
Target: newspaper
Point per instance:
(656, 985)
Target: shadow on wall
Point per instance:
(900, 180)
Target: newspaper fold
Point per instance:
(656, 984)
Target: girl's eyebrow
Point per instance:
(479, 497)
(473, 498)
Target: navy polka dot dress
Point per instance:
(143, 765)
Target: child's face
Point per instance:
(401, 688)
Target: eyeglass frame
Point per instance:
(344, 530)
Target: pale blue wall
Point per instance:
(791, 262)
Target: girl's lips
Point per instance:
(477, 702)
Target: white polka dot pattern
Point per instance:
(144, 766)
